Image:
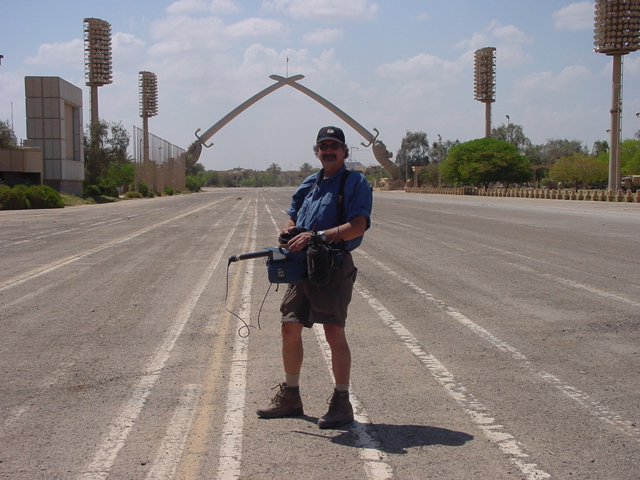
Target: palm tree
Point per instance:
(306, 169)
(274, 169)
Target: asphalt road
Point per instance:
(492, 338)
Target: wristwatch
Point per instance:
(323, 236)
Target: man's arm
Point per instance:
(347, 231)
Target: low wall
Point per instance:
(543, 193)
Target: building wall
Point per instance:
(54, 123)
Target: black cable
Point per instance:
(246, 325)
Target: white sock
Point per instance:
(292, 380)
(342, 387)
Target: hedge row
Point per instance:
(22, 197)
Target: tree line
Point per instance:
(507, 158)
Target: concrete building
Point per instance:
(54, 124)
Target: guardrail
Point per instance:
(543, 193)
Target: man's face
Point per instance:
(331, 154)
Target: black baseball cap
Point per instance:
(331, 133)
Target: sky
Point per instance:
(394, 65)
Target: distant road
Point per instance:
(493, 338)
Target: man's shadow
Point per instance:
(397, 439)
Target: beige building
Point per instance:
(54, 125)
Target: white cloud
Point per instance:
(322, 36)
(425, 68)
(181, 34)
(215, 7)
(335, 11)
(255, 27)
(128, 49)
(542, 85)
(576, 16)
(223, 7)
(56, 54)
(186, 7)
(508, 40)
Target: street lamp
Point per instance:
(485, 82)
(97, 60)
(617, 28)
(508, 130)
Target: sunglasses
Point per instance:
(326, 146)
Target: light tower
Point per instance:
(148, 90)
(617, 27)
(97, 60)
(485, 82)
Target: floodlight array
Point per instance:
(485, 75)
(617, 26)
(148, 88)
(97, 52)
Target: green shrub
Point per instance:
(43, 196)
(168, 191)
(109, 191)
(132, 194)
(13, 198)
(194, 183)
(143, 188)
(91, 191)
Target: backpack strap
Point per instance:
(340, 200)
(340, 204)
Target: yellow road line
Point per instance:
(197, 446)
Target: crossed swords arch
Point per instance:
(379, 149)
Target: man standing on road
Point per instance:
(316, 206)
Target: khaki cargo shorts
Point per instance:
(307, 303)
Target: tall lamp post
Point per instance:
(485, 82)
(97, 61)
(148, 91)
(617, 28)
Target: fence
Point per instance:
(566, 194)
(166, 166)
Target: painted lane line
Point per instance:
(577, 285)
(479, 414)
(166, 462)
(122, 425)
(230, 458)
(70, 259)
(594, 407)
(375, 460)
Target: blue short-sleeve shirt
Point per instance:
(317, 207)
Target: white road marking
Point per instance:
(375, 459)
(478, 413)
(230, 458)
(122, 425)
(595, 407)
(168, 457)
(73, 258)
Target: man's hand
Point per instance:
(287, 234)
(299, 242)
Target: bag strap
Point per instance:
(340, 203)
(341, 216)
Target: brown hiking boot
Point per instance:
(340, 411)
(286, 403)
